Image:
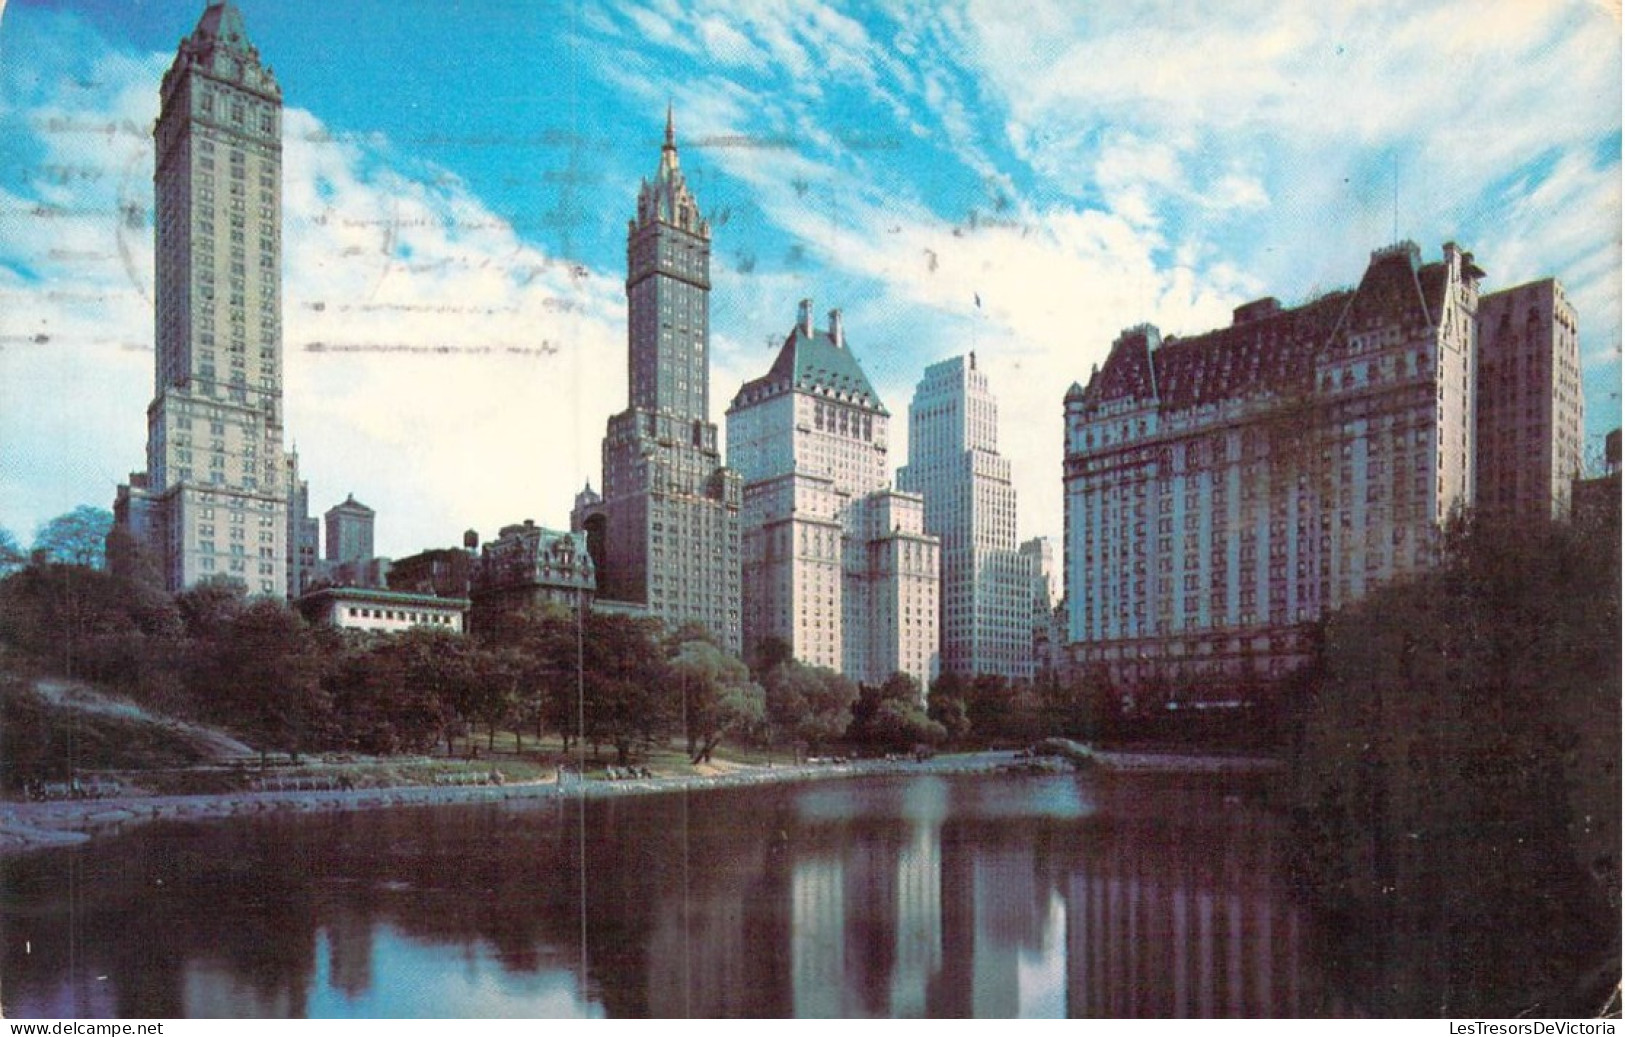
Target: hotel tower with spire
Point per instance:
(665, 532)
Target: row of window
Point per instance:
(399, 615)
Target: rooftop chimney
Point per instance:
(1258, 309)
(835, 334)
(805, 318)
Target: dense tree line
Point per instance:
(1457, 773)
(254, 667)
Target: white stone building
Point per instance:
(970, 503)
(834, 561)
(382, 611)
(1226, 490)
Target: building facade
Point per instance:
(970, 504)
(382, 611)
(1531, 408)
(667, 524)
(1224, 491)
(1047, 631)
(527, 567)
(213, 500)
(350, 526)
(835, 563)
(446, 572)
(304, 534)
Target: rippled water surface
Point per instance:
(922, 896)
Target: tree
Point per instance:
(891, 716)
(627, 700)
(437, 673)
(76, 538)
(210, 606)
(263, 676)
(82, 622)
(365, 683)
(946, 705)
(768, 654)
(1460, 738)
(538, 654)
(719, 698)
(12, 557)
(811, 704)
(988, 706)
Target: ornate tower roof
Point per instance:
(220, 46)
(222, 25)
(666, 198)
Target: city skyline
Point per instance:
(453, 261)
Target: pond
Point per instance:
(930, 895)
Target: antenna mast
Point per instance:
(1396, 197)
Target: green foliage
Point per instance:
(627, 704)
(718, 696)
(768, 654)
(76, 538)
(262, 675)
(11, 554)
(1002, 710)
(810, 704)
(946, 705)
(1458, 767)
(84, 623)
(891, 716)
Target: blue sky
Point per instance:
(457, 177)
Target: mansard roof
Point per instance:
(222, 24)
(1268, 350)
(1272, 354)
(816, 360)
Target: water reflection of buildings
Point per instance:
(866, 924)
(1137, 915)
(1172, 928)
(818, 936)
(931, 897)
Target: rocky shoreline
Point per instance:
(26, 826)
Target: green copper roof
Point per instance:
(817, 359)
(223, 22)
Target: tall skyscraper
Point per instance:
(350, 526)
(667, 525)
(836, 564)
(970, 502)
(212, 501)
(1531, 408)
(1226, 490)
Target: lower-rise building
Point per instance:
(444, 571)
(527, 567)
(383, 611)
